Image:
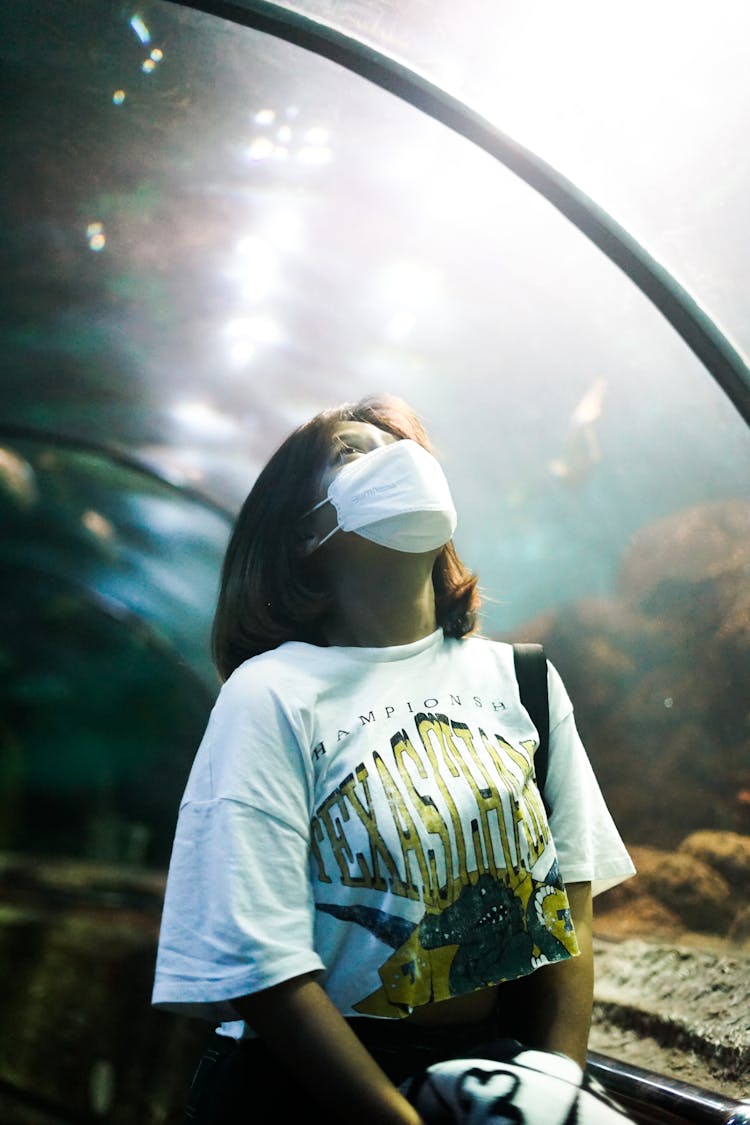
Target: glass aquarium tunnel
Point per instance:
(528, 222)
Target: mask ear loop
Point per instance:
(309, 512)
(314, 508)
(326, 537)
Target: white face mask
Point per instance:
(397, 496)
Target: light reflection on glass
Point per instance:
(96, 236)
(148, 66)
(118, 97)
(312, 148)
(157, 54)
(140, 29)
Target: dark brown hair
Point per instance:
(270, 592)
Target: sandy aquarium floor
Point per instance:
(679, 1007)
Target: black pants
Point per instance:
(240, 1081)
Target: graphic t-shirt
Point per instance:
(372, 814)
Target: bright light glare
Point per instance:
(316, 136)
(242, 352)
(260, 329)
(316, 148)
(265, 117)
(409, 283)
(406, 291)
(314, 155)
(118, 97)
(448, 181)
(284, 228)
(399, 326)
(571, 98)
(261, 148)
(258, 267)
(203, 420)
(247, 334)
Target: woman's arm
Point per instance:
(567, 987)
(300, 1024)
(551, 1008)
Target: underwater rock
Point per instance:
(739, 931)
(678, 554)
(727, 852)
(685, 887)
(76, 1026)
(658, 675)
(635, 916)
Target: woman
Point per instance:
(362, 857)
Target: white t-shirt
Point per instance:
(372, 814)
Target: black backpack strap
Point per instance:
(531, 673)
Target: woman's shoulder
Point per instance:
(267, 674)
(477, 646)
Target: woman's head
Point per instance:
(272, 588)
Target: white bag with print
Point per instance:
(528, 1088)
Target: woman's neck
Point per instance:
(387, 599)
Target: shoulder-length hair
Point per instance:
(270, 591)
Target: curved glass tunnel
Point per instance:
(212, 234)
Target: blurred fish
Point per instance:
(589, 409)
(582, 449)
(98, 525)
(17, 479)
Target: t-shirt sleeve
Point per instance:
(589, 846)
(238, 912)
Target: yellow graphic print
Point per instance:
(485, 918)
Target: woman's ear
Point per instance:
(314, 532)
(307, 544)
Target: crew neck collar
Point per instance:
(389, 652)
